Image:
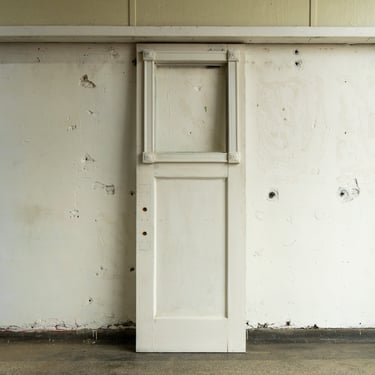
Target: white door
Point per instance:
(190, 199)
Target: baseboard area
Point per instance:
(254, 336)
(310, 335)
(87, 336)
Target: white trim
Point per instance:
(189, 157)
(208, 34)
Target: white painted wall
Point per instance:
(310, 133)
(67, 243)
(67, 239)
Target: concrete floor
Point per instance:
(106, 359)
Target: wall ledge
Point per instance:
(184, 34)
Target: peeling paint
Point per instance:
(114, 53)
(349, 192)
(71, 128)
(86, 83)
(74, 214)
(86, 161)
(109, 189)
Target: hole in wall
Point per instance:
(273, 195)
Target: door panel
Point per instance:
(190, 202)
(191, 248)
(191, 109)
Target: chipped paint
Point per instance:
(86, 83)
(109, 189)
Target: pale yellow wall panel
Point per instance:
(343, 12)
(64, 12)
(222, 12)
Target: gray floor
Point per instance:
(88, 357)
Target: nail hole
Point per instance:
(132, 269)
(91, 300)
(296, 52)
(144, 209)
(144, 233)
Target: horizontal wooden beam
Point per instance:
(183, 34)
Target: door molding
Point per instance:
(221, 58)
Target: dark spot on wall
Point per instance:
(134, 62)
(288, 323)
(132, 269)
(343, 193)
(298, 63)
(91, 300)
(144, 233)
(296, 52)
(273, 195)
(350, 191)
(132, 193)
(315, 326)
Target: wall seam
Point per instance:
(132, 12)
(313, 12)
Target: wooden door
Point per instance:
(190, 200)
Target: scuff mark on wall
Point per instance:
(109, 189)
(86, 83)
